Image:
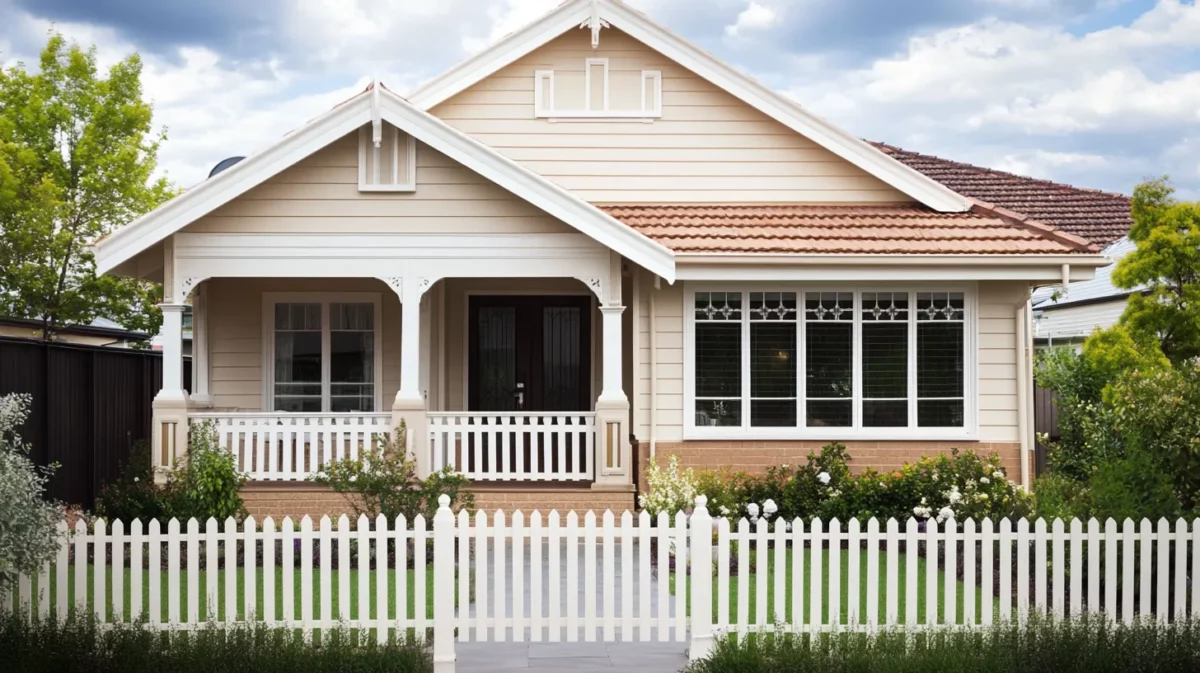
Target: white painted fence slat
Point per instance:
(1127, 565)
(950, 565)
(536, 609)
(481, 575)
(212, 565)
(572, 570)
(797, 571)
(100, 569)
(969, 541)
(1180, 569)
(1058, 561)
(118, 571)
(137, 541)
(1005, 587)
(590, 621)
(608, 572)
(344, 567)
(931, 574)
(270, 613)
(816, 585)
(1023, 569)
(306, 577)
(287, 560)
(464, 576)
(986, 575)
(681, 578)
(154, 563)
(1110, 569)
(1076, 568)
(1093, 559)
(518, 575)
(873, 572)
(1146, 566)
(911, 542)
(1040, 566)
(743, 566)
(762, 575)
(628, 573)
(853, 545)
(249, 569)
(554, 542)
(231, 580)
(891, 577)
(1163, 602)
(173, 595)
(420, 569)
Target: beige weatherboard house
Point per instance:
(590, 244)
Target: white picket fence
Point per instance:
(502, 577)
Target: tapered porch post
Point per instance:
(169, 425)
(410, 406)
(612, 408)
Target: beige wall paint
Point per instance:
(320, 195)
(235, 327)
(707, 147)
(997, 387)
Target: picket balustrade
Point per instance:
(514, 446)
(294, 447)
(548, 578)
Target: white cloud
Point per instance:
(755, 17)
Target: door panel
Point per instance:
(529, 353)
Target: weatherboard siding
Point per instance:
(708, 147)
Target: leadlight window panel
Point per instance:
(885, 359)
(718, 373)
(829, 359)
(719, 306)
(773, 359)
(298, 357)
(941, 350)
(352, 357)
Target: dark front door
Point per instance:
(530, 353)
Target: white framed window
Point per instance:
(322, 352)
(825, 362)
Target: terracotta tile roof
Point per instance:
(1100, 217)
(801, 229)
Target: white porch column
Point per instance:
(199, 394)
(169, 424)
(613, 453)
(410, 406)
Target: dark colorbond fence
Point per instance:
(90, 404)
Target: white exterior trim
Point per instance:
(181, 211)
(969, 431)
(409, 158)
(270, 299)
(855, 268)
(749, 91)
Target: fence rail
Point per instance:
(521, 446)
(498, 577)
(290, 447)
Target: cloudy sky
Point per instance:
(1099, 93)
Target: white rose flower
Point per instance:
(353, 478)
(985, 481)
(769, 507)
(954, 497)
(136, 479)
(752, 510)
(944, 514)
(922, 512)
(824, 477)
(724, 510)
(834, 494)
(983, 496)
(998, 474)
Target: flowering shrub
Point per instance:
(670, 491)
(959, 485)
(386, 483)
(27, 520)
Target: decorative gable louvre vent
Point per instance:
(597, 92)
(390, 167)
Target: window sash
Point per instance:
(327, 316)
(954, 418)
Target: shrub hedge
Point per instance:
(1063, 647)
(82, 647)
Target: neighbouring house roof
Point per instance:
(1100, 217)
(616, 14)
(806, 229)
(1098, 289)
(100, 327)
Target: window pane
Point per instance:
(772, 360)
(718, 413)
(773, 413)
(829, 413)
(940, 413)
(719, 306)
(885, 413)
(940, 359)
(773, 306)
(297, 357)
(943, 306)
(352, 357)
(719, 360)
(885, 360)
(828, 353)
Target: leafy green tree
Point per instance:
(77, 157)
(1167, 263)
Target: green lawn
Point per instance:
(750, 584)
(218, 611)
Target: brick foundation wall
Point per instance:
(299, 500)
(755, 457)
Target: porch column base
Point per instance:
(168, 433)
(414, 414)
(613, 451)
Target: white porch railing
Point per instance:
(292, 447)
(514, 446)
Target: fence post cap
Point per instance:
(443, 500)
(702, 502)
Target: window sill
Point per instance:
(830, 434)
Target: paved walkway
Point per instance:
(639, 657)
(649, 657)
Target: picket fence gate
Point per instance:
(491, 578)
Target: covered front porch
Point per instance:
(504, 379)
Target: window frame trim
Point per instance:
(270, 299)
(968, 432)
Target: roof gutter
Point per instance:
(723, 258)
